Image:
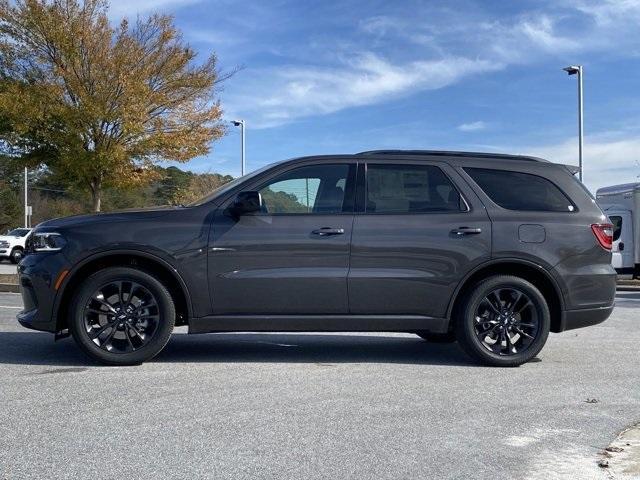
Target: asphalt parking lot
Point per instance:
(6, 267)
(316, 406)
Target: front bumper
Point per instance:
(36, 276)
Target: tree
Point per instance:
(173, 181)
(100, 105)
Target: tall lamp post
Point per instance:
(26, 198)
(573, 70)
(240, 123)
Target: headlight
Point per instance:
(47, 242)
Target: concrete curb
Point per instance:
(9, 288)
(622, 456)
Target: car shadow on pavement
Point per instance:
(28, 348)
(310, 348)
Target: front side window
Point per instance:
(410, 189)
(19, 232)
(319, 189)
(520, 191)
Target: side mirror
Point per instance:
(246, 203)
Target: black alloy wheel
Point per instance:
(504, 321)
(122, 316)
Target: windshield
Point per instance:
(19, 232)
(228, 186)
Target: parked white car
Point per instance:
(12, 244)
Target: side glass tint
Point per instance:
(410, 189)
(520, 191)
(318, 189)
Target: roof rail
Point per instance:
(445, 153)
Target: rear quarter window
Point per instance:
(520, 191)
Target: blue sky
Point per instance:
(342, 77)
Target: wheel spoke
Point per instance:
(146, 305)
(126, 334)
(504, 322)
(496, 298)
(527, 303)
(513, 304)
(120, 296)
(489, 330)
(109, 337)
(99, 312)
(524, 334)
(105, 304)
(493, 307)
(101, 330)
(140, 335)
(511, 348)
(525, 325)
(117, 302)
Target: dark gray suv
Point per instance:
(494, 251)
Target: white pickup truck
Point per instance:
(12, 244)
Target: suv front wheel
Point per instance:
(16, 255)
(504, 321)
(122, 316)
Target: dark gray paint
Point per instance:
(398, 271)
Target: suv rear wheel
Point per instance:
(122, 316)
(504, 321)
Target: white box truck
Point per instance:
(621, 203)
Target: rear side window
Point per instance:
(521, 191)
(410, 189)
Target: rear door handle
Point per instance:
(326, 231)
(466, 231)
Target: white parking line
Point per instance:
(4, 306)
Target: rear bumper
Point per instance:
(585, 317)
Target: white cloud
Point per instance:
(472, 126)
(430, 49)
(302, 91)
(606, 12)
(131, 8)
(607, 161)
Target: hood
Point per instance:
(121, 215)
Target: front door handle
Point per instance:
(466, 231)
(326, 231)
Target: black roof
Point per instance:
(445, 153)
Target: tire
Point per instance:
(491, 336)
(437, 337)
(122, 316)
(16, 255)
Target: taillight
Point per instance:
(604, 234)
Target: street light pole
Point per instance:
(573, 70)
(26, 204)
(240, 123)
